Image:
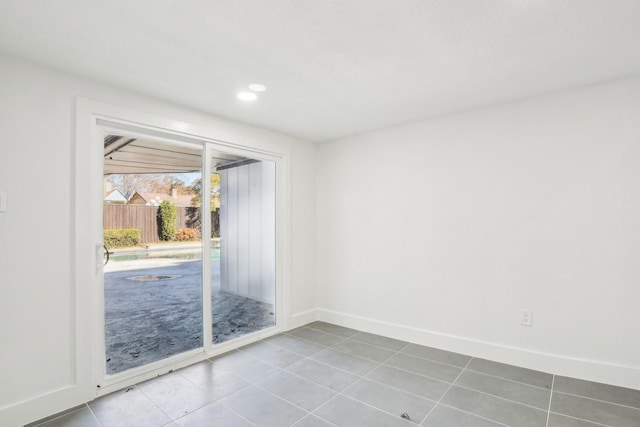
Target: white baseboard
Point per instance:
(591, 370)
(301, 319)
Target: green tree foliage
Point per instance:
(215, 191)
(167, 219)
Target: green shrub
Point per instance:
(121, 237)
(187, 234)
(167, 217)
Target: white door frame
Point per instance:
(92, 118)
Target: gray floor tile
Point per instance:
(231, 360)
(175, 395)
(595, 410)
(312, 421)
(216, 382)
(300, 392)
(263, 408)
(444, 416)
(272, 354)
(347, 362)
(515, 373)
(408, 381)
(128, 409)
(523, 393)
(608, 393)
(214, 414)
(244, 365)
(346, 412)
(248, 388)
(329, 328)
(377, 354)
(437, 355)
(79, 418)
(390, 399)
(557, 420)
(304, 348)
(316, 336)
(380, 341)
(426, 367)
(494, 408)
(322, 374)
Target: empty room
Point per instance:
(278, 213)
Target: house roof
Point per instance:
(180, 200)
(115, 196)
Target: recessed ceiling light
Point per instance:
(247, 96)
(257, 87)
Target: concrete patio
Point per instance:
(147, 320)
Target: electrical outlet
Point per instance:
(526, 317)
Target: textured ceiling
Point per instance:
(332, 67)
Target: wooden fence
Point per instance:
(145, 219)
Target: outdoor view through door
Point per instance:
(153, 214)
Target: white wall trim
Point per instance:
(591, 370)
(301, 319)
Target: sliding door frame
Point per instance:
(93, 119)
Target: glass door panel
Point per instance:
(152, 235)
(243, 263)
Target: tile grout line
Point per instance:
(553, 381)
(373, 380)
(329, 333)
(475, 415)
(222, 397)
(509, 379)
(360, 378)
(501, 398)
(309, 415)
(599, 400)
(93, 414)
(171, 419)
(369, 379)
(341, 393)
(237, 413)
(255, 383)
(438, 361)
(364, 376)
(379, 364)
(419, 374)
(445, 392)
(581, 419)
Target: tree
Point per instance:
(215, 191)
(194, 218)
(129, 184)
(167, 220)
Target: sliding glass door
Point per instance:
(189, 249)
(153, 273)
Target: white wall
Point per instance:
(247, 231)
(441, 231)
(37, 119)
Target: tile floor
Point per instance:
(326, 375)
